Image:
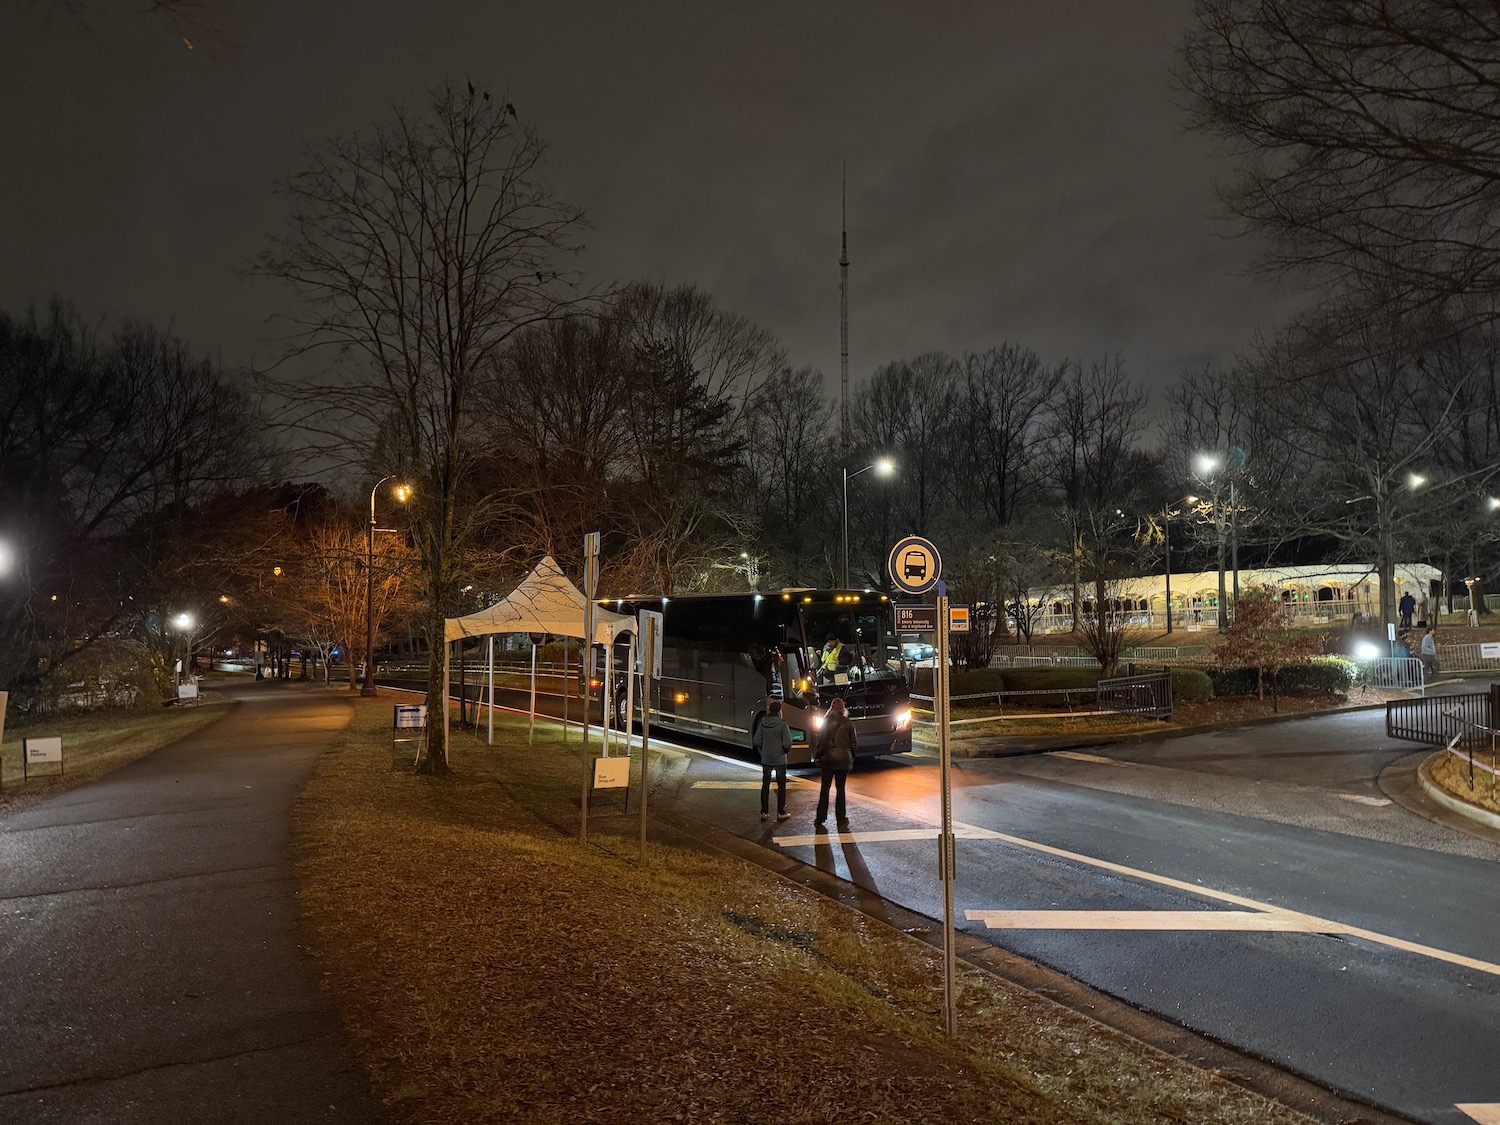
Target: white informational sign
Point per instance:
(409, 717)
(1486, 652)
(187, 691)
(655, 654)
(42, 750)
(612, 773)
(1390, 630)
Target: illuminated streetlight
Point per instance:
(7, 558)
(183, 623)
(885, 467)
(402, 492)
(1415, 480)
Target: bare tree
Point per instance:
(420, 250)
(1365, 137)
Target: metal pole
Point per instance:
(1234, 540)
(945, 837)
(630, 691)
(646, 657)
(1166, 539)
(567, 690)
(844, 573)
(531, 737)
(607, 695)
(491, 639)
(368, 688)
(1219, 527)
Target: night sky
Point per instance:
(1016, 170)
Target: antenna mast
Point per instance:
(844, 317)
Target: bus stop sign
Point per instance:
(914, 565)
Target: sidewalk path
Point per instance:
(150, 969)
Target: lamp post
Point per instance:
(1207, 471)
(885, 467)
(402, 492)
(184, 623)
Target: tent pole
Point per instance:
(443, 696)
(531, 738)
(567, 689)
(629, 691)
(605, 695)
(492, 688)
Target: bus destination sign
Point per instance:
(916, 618)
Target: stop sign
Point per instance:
(538, 638)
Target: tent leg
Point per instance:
(443, 697)
(531, 737)
(607, 695)
(491, 639)
(629, 691)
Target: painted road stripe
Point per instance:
(1487, 1113)
(1360, 798)
(1229, 920)
(1076, 756)
(961, 832)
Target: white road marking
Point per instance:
(1486, 1113)
(1226, 920)
(960, 832)
(1079, 757)
(1360, 798)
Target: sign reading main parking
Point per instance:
(914, 565)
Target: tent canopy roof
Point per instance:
(544, 602)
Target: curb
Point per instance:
(1043, 746)
(1440, 796)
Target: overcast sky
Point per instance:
(1017, 170)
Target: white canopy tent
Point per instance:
(544, 602)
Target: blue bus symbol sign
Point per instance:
(914, 565)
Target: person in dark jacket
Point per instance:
(835, 754)
(772, 739)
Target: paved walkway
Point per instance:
(150, 969)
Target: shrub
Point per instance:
(1191, 685)
(961, 683)
(1325, 675)
(1038, 679)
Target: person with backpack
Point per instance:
(835, 754)
(772, 741)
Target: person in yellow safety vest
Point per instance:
(833, 650)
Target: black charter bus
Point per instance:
(725, 655)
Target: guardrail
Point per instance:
(1431, 720)
(1465, 658)
(1479, 732)
(1147, 694)
(1404, 673)
(1071, 697)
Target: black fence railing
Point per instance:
(1148, 694)
(1435, 719)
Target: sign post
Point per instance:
(650, 623)
(915, 566)
(590, 585)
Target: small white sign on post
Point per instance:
(187, 691)
(612, 773)
(1487, 651)
(412, 717)
(39, 751)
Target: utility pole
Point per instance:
(844, 320)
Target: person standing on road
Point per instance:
(835, 754)
(1408, 608)
(773, 739)
(1429, 652)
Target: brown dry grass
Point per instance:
(94, 744)
(490, 968)
(1452, 773)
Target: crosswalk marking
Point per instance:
(1223, 920)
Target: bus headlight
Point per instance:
(817, 722)
(903, 719)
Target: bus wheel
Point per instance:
(622, 712)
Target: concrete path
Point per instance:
(150, 969)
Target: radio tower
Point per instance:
(843, 317)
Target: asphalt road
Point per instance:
(1283, 828)
(150, 969)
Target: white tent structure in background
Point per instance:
(544, 602)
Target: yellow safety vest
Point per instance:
(831, 657)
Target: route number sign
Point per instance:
(916, 618)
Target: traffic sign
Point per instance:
(914, 565)
(958, 619)
(916, 618)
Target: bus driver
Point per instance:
(833, 653)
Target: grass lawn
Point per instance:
(95, 743)
(491, 968)
(1452, 773)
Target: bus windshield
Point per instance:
(863, 633)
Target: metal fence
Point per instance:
(1435, 719)
(1465, 658)
(1149, 694)
(1398, 672)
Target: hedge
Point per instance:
(1327, 675)
(1191, 685)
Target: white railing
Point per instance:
(1465, 658)
(1402, 673)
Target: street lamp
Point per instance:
(184, 625)
(1166, 539)
(401, 493)
(885, 467)
(7, 558)
(1208, 471)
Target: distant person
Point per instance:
(1422, 611)
(836, 746)
(1408, 609)
(1429, 652)
(773, 740)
